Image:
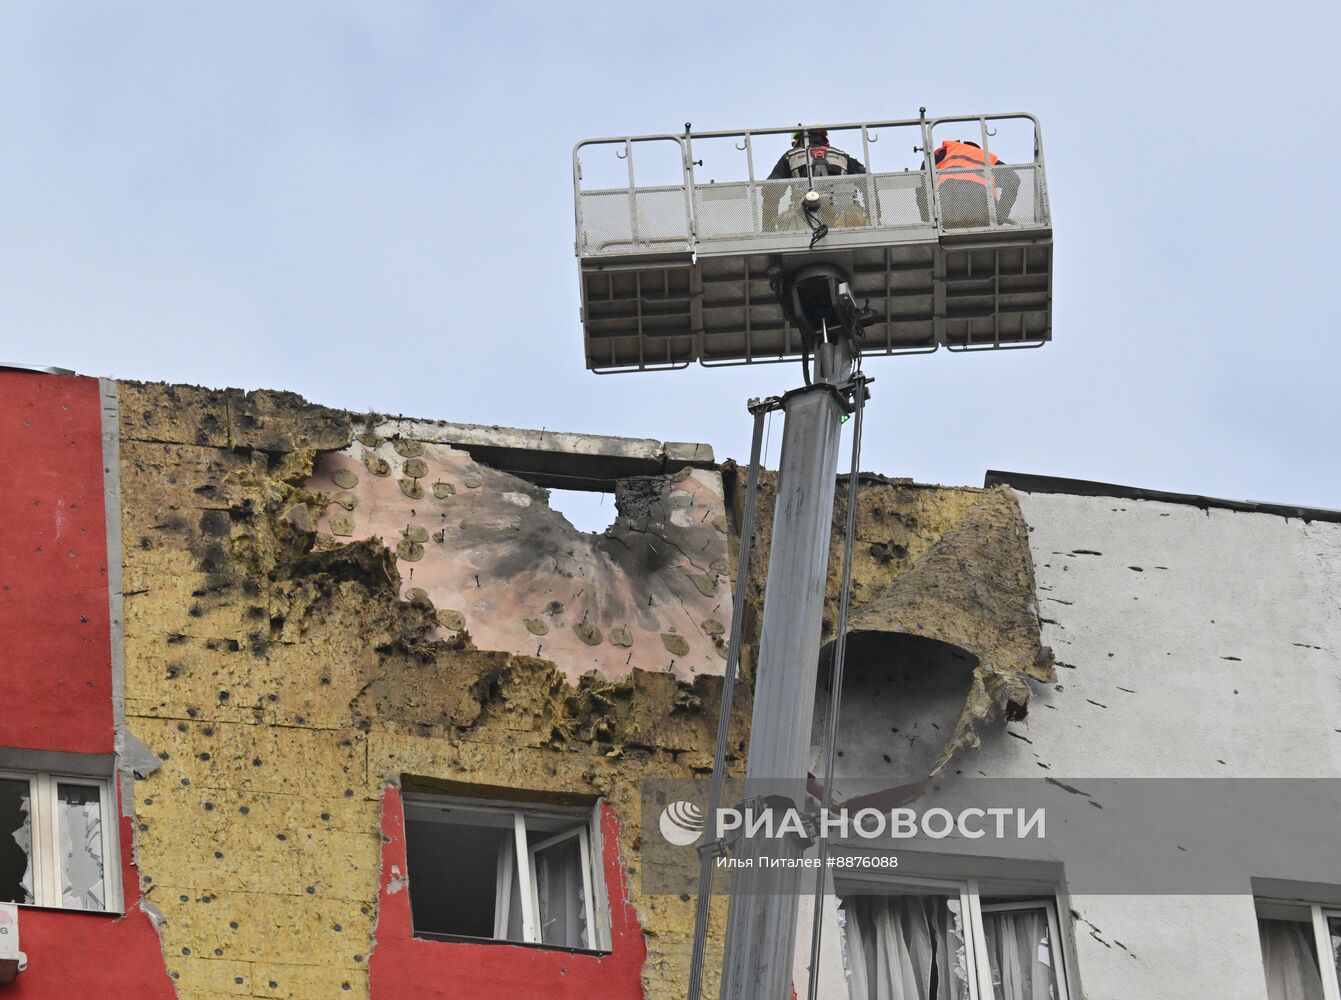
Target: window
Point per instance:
(58, 841)
(497, 872)
(933, 940)
(1294, 935)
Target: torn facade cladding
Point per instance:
(318, 604)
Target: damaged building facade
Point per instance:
(305, 703)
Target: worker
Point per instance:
(961, 188)
(837, 205)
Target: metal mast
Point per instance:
(762, 918)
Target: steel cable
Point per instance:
(708, 850)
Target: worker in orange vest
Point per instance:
(962, 190)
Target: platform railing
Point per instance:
(961, 192)
(638, 219)
(633, 218)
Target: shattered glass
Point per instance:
(80, 815)
(16, 841)
(1334, 926)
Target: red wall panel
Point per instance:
(56, 666)
(55, 653)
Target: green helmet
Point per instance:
(818, 136)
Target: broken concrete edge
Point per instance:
(238, 419)
(554, 459)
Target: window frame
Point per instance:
(44, 817)
(1318, 915)
(588, 887)
(583, 824)
(972, 908)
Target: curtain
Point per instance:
(1289, 954)
(900, 948)
(1020, 954)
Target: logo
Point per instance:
(681, 823)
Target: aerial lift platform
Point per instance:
(687, 254)
(678, 248)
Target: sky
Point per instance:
(370, 204)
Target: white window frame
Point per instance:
(977, 960)
(584, 849)
(583, 826)
(1319, 914)
(1056, 946)
(46, 848)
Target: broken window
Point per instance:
(502, 873)
(931, 940)
(16, 841)
(57, 841)
(1301, 950)
(82, 856)
(1019, 939)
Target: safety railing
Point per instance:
(1007, 190)
(623, 215)
(679, 206)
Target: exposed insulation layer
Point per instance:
(284, 683)
(945, 563)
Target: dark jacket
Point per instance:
(782, 171)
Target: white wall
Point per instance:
(1194, 644)
(1148, 689)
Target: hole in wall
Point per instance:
(902, 695)
(586, 510)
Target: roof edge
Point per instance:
(1027, 482)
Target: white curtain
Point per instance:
(897, 947)
(1020, 954)
(1291, 961)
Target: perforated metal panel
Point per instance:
(673, 274)
(647, 220)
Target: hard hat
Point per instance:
(800, 134)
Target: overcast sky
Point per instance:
(371, 204)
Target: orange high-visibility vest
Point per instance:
(960, 155)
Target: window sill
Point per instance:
(70, 909)
(466, 939)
